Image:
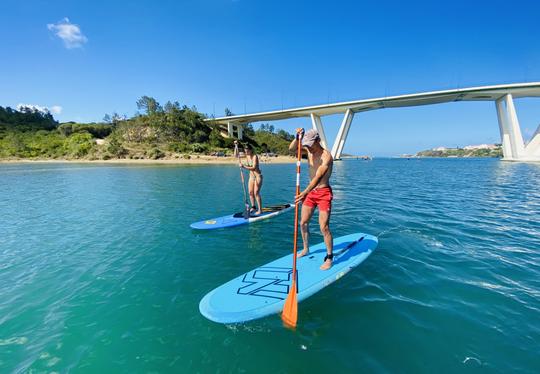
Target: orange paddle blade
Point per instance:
(290, 309)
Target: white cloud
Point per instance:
(55, 109)
(70, 33)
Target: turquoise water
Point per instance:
(99, 270)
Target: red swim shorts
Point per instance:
(321, 197)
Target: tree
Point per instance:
(149, 105)
(285, 135)
(248, 130)
(228, 112)
(172, 107)
(26, 119)
(115, 118)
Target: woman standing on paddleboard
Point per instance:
(255, 178)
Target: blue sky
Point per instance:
(85, 59)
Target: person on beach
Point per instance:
(255, 179)
(318, 193)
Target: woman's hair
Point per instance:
(248, 147)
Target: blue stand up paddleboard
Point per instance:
(238, 219)
(262, 291)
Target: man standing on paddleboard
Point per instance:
(318, 193)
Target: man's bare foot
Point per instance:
(327, 264)
(304, 252)
(259, 212)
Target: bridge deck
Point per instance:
(487, 93)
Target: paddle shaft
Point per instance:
(290, 307)
(298, 163)
(242, 178)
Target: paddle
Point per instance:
(246, 205)
(290, 308)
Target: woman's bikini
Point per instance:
(256, 173)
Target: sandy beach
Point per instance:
(195, 159)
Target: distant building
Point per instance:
(480, 146)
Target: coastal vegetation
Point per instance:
(154, 132)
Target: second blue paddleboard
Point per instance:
(238, 219)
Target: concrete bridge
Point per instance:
(513, 145)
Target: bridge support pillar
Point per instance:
(231, 128)
(240, 131)
(339, 143)
(532, 149)
(514, 148)
(504, 129)
(317, 125)
(516, 139)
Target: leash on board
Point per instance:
(290, 308)
(349, 246)
(246, 205)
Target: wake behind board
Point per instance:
(238, 219)
(262, 291)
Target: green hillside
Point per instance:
(169, 131)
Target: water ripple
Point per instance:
(100, 271)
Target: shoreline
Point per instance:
(194, 160)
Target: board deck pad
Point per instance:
(262, 291)
(238, 219)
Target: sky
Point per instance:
(82, 60)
